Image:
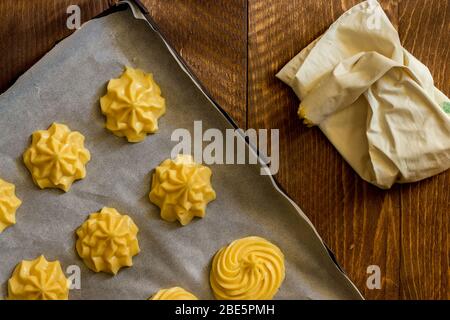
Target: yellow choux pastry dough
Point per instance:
(182, 189)
(107, 241)
(38, 279)
(56, 157)
(133, 105)
(250, 268)
(8, 204)
(175, 293)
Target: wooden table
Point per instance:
(235, 47)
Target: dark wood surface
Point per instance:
(30, 28)
(235, 47)
(425, 206)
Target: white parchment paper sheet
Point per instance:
(65, 86)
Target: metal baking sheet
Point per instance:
(65, 86)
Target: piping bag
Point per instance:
(375, 102)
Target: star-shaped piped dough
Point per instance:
(175, 293)
(38, 279)
(107, 241)
(182, 189)
(8, 204)
(56, 157)
(133, 105)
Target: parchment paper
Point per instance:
(65, 86)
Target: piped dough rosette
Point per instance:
(56, 157)
(8, 204)
(38, 279)
(175, 293)
(182, 189)
(107, 241)
(250, 268)
(133, 105)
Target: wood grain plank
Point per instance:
(358, 221)
(211, 36)
(30, 28)
(425, 248)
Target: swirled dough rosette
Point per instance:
(133, 105)
(175, 293)
(182, 189)
(250, 268)
(38, 279)
(107, 241)
(56, 157)
(8, 204)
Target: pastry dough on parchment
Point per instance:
(56, 157)
(107, 241)
(250, 268)
(175, 293)
(182, 189)
(8, 204)
(133, 105)
(38, 279)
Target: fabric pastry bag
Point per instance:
(374, 101)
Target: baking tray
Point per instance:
(65, 86)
